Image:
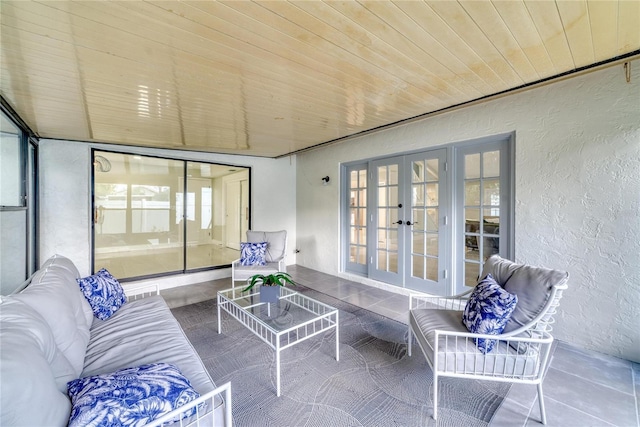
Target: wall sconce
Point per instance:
(325, 180)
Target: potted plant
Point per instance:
(269, 284)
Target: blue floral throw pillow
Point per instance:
(487, 311)
(253, 253)
(130, 397)
(104, 293)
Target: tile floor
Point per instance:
(582, 388)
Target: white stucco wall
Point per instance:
(65, 189)
(577, 194)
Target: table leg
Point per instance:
(278, 371)
(219, 321)
(337, 338)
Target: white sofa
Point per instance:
(49, 336)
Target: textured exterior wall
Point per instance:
(577, 194)
(65, 191)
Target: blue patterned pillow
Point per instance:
(253, 253)
(487, 311)
(130, 397)
(104, 293)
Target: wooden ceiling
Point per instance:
(272, 78)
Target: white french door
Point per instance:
(429, 226)
(386, 244)
(428, 221)
(409, 227)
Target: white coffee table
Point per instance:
(291, 320)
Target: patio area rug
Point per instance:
(375, 383)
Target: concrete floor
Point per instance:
(582, 388)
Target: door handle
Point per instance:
(411, 223)
(398, 222)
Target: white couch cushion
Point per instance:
(145, 332)
(32, 370)
(56, 296)
(65, 264)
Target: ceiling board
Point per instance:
(272, 78)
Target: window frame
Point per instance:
(28, 191)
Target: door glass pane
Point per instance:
(432, 269)
(491, 164)
(418, 243)
(418, 219)
(382, 196)
(393, 174)
(432, 219)
(362, 198)
(417, 170)
(382, 261)
(382, 175)
(353, 253)
(382, 217)
(393, 240)
(471, 273)
(491, 190)
(417, 195)
(491, 245)
(432, 244)
(135, 228)
(432, 170)
(393, 196)
(393, 218)
(472, 166)
(362, 178)
(432, 195)
(472, 216)
(417, 266)
(213, 236)
(393, 262)
(472, 193)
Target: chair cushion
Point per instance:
(487, 311)
(460, 355)
(531, 284)
(130, 396)
(104, 293)
(253, 253)
(276, 243)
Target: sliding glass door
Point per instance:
(156, 216)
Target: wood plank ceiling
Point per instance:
(272, 78)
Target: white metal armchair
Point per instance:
(521, 354)
(275, 256)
